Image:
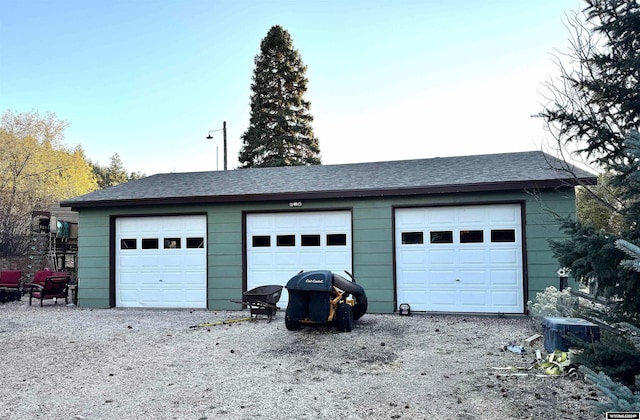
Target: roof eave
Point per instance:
(308, 195)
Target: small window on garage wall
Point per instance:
(128, 243)
(261, 241)
(471, 236)
(503, 235)
(172, 243)
(150, 243)
(286, 240)
(310, 240)
(412, 238)
(441, 237)
(195, 242)
(336, 239)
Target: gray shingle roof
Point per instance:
(436, 175)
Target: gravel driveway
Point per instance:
(62, 362)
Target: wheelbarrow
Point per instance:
(262, 300)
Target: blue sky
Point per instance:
(388, 80)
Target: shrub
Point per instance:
(552, 302)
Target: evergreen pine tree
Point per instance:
(614, 356)
(620, 398)
(116, 174)
(280, 132)
(627, 178)
(596, 107)
(597, 103)
(599, 205)
(633, 251)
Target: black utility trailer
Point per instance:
(262, 300)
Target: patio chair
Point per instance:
(40, 276)
(54, 287)
(10, 283)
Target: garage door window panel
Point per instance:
(337, 239)
(128, 244)
(261, 241)
(150, 243)
(412, 238)
(310, 240)
(503, 235)
(286, 240)
(441, 237)
(172, 243)
(193, 243)
(471, 236)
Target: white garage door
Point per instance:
(460, 259)
(161, 262)
(279, 245)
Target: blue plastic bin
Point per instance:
(556, 329)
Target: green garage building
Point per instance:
(462, 234)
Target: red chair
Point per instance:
(54, 287)
(40, 276)
(10, 283)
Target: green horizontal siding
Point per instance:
(541, 226)
(373, 252)
(93, 260)
(380, 307)
(87, 251)
(232, 283)
(223, 305)
(379, 294)
(226, 293)
(225, 257)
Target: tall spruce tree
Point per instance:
(595, 106)
(280, 132)
(596, 103)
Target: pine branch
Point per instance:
(620, 397)
(633, 251)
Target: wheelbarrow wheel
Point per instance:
(344, 317)
(291, 324)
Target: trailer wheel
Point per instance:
(291, 324)
(344, 317)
